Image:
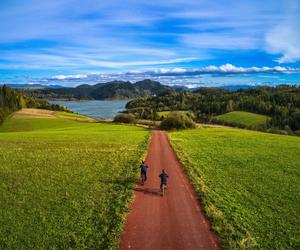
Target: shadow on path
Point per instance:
(149, 191)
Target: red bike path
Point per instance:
(172, 221)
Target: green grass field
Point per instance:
(73, 116)
(244, 118)
(66, 184)
(249, 184)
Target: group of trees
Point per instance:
(11, 101)
(281, 103)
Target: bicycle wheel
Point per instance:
(143, 178)
(163, 189)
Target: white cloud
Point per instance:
(231, 68)
(211, 75)
(226, 68)
(174, 72)
(280, 69)
(68, 77)
(284, 38)
(191, 86)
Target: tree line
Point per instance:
(281, 103)
(11, 101)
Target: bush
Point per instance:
(288, 130)
(124, 118)
(176, 120)
(297, 132)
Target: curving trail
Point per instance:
(174, 221)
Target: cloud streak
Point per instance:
(284, 38)
(227, 74)
(212, 69)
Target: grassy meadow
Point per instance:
(64, 183)
(244, 118)
(73, 116)
(249, 184)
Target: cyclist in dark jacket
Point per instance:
(144, 169)
(163, 178)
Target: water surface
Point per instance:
(95, 109)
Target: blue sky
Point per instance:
(191, 42)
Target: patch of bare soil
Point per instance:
(34, 113)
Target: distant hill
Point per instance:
(102, 91)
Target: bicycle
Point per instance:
(143, 178)
(163, 188)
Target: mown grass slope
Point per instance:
(73, 116)
(248, 183)
(66, 184)
(243, 118)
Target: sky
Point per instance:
(178, 42)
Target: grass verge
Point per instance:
(248, 183)
(66, 184)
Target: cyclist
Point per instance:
(163, 180)
(144, 169)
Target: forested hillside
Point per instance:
(281, 103)
(11, 101)
(101, 91)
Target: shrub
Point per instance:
(176, 120)
(288, 130)
(124, 118)
(297, 132)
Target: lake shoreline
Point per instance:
(83, 100)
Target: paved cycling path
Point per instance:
(174, 221)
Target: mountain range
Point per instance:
(114, 90)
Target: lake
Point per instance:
(95, 109)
